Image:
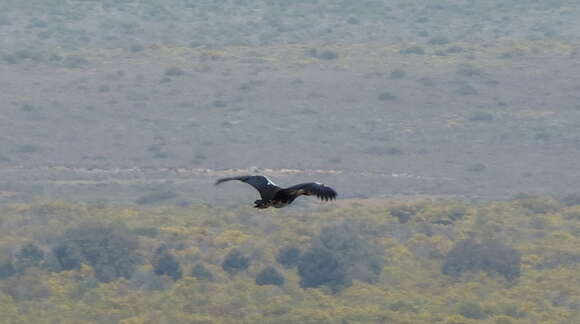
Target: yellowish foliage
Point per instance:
(231, 238)
(458, 319)
(411, 288)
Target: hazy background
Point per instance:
(151, 101)
(130, 110)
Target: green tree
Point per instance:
(339, 254)
(492, 257)
(352, 245)
(200, 272)
(235, 262)
(29, 255)
(165, 263)
(6, 270)
(110, 249)
(319, 267)
(269, 276)
(289, 256)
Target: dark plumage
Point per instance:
(274, 196)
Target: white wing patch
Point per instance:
(270, 183)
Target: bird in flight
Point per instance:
(274, 196)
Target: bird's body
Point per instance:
(275, 196)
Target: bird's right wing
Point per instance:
(265, 186)
(320, 190)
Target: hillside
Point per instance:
(449, 129)
(398, 262)
(104, 100)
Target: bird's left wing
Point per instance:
(265, 186)
(320, 190)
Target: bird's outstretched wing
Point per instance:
(321, 191)
(265, 186)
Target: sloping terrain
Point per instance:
(409, 98)
(398, 262)
(450, 130)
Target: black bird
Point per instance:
(274, 196)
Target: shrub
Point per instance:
(37, 23)
(398, 74)
(403, 213)
(323, 55)
(75, 62)
(339, 254)
(146, 231)
(490, 256)
(288, 256)
(471, 310)
(43, 34)
(136, 48)
(539, 205)
(269, 276)
(174, 71)
(26, 148)
(165, 263)
(4, 21)
(28, 107)
(462, 258)
(481, 116)
(200, 272)
(10, 59)
(439, 40)
(386, 96)
(455, 50)
(6, 270)
(469, 70)
(500, 259)
(161, 155)
(466, 90)
(219, 104)
(319, 267)
(149, 281)
(379, 150)
(235, 262)
(427, 82)
(573, 214)
(353, 247)
(418, 50)
(477, 167)
(403, 306)
(4, 158)
(572, 199)
(353, 20)
(457, 212)
(68, 255)
(502, 319)
(110, 249)
(27, 286)
(27, 54)
(29, 255)
(327, 55)
(542, 136)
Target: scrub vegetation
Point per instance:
(502, 262)
(449, 129)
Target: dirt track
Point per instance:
(191, 184)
